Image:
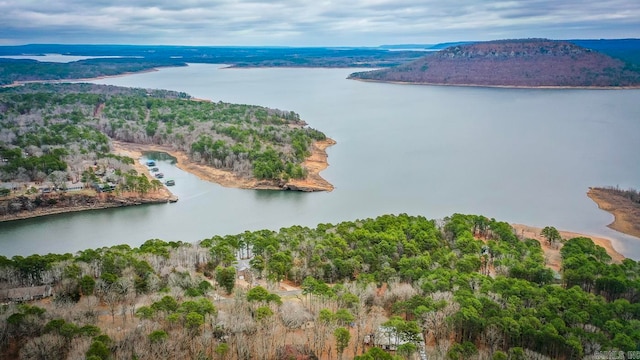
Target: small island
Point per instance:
(71, 147)
(513, 63)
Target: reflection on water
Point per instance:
(277, 195)
(159, 155)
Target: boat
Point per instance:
(170, 182)
(155, 169)
(159, 175)
(151, 163)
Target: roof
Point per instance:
(386, 336)
(25, 293)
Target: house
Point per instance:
(71, 186)
(7, 187)
(11, 185)
(104, 187)
(387, 338)
(243, 270)
(25, 293)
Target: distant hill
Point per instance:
(449, 44)
(423, 47)
(143, 57)
(516, 63)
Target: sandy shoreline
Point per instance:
(314, 164)
(626, 214)
(552, 255)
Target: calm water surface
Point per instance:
(518, 155)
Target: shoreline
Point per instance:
(542, 87)
(94, 201)
(626, 214)
(552, 255)
(119, 202)
(314, 164)
(62, 81)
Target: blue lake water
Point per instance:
(518, 155)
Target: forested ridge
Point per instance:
(24, 70)
(57, 132)
(515, 63)
(465, 287)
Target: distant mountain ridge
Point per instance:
(513, 63)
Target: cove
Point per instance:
(517, 155)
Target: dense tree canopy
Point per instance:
(466, 279)
(67, 127)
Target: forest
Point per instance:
(462, 287)
(13, 70)
(57, 132)
(516, 63)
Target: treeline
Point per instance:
(156, 56)
(631, 194)
(466, 286)
(48, 128)
(12, 70)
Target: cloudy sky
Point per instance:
(311, 22)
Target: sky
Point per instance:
(311, 22)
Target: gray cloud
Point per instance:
(309, 23)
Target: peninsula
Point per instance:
(314, 164)
(513, 63)
(70, 147)
(624, 205)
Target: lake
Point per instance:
(518, 155)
